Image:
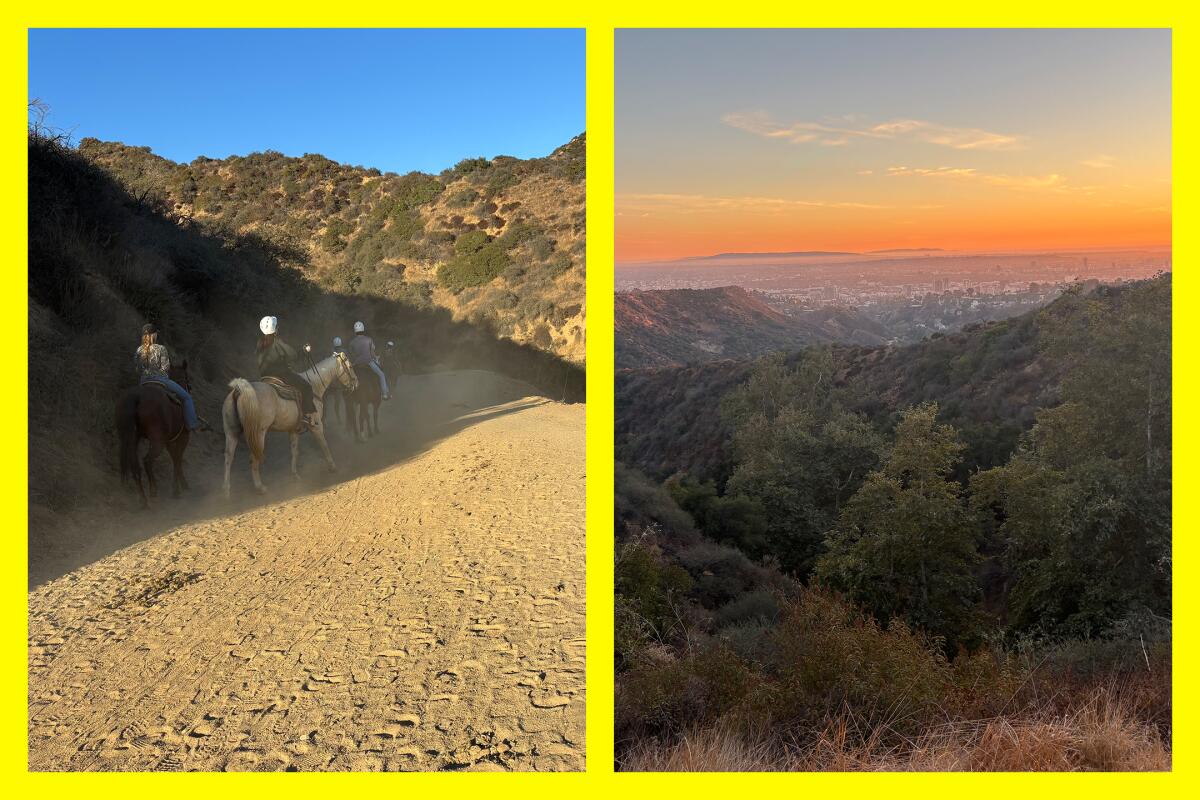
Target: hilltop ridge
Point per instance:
(685, 326)
(497, 242)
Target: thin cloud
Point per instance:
(700, 203)
(1051, 181)
(1099, 162)
(763, 124)
(934, 172)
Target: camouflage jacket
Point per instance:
(155, 362)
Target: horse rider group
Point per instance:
(276, 359)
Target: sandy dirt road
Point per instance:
(426, 614)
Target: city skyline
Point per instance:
(751, 141)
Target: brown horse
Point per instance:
(148, 412)
(358, 417)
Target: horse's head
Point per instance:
(345, 372)
(179, 374)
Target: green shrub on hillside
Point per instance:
(474, 269)
(471, 242)
(334, 238)
(462, 198)
(469, 165)
(415, 189)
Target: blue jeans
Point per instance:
(189, 407)
(374, 365)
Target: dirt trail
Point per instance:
(428, 615)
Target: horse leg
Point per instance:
(135, 467)
(176, 448)
(294, 440)
(320, 437)
(231, 441)
(354, 415)
(254, 463)
(375, 418)
(156, 447)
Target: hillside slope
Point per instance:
(989, 380)
(687, 326)
(498, 242)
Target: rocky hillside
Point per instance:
(687, 326)
(498, 242)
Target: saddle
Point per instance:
(174, 398)
(282, 388)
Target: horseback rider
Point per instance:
(337, 345)
(362, 353)
(277, 359)
(390, 360)
(153, 363)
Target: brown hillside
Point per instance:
(497, 242)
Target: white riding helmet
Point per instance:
(337, 341)
(391, 343)
(268, 325)
(359, 327)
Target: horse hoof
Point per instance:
(261, 489)
(333, 468)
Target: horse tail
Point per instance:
(245, 403)
(127, 433)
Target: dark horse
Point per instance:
(367, 394)
(335, 398)
(148, 411)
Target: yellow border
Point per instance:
(600, 19)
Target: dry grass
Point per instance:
(1101, 735)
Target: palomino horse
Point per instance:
(148, 411)
(252, 409)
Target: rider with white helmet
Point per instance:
(362, 353)
(277, 359)
(390, 360)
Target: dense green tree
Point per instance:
(1082, 510)
(736, 519)
(904, 545)
(799, 454)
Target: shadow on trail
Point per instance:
(425, 409)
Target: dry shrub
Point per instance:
(712, 750)
(1102, 735)
(672, 695)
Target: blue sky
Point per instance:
(398, 100)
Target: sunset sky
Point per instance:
(863, 140)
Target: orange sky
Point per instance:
(864, 140)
